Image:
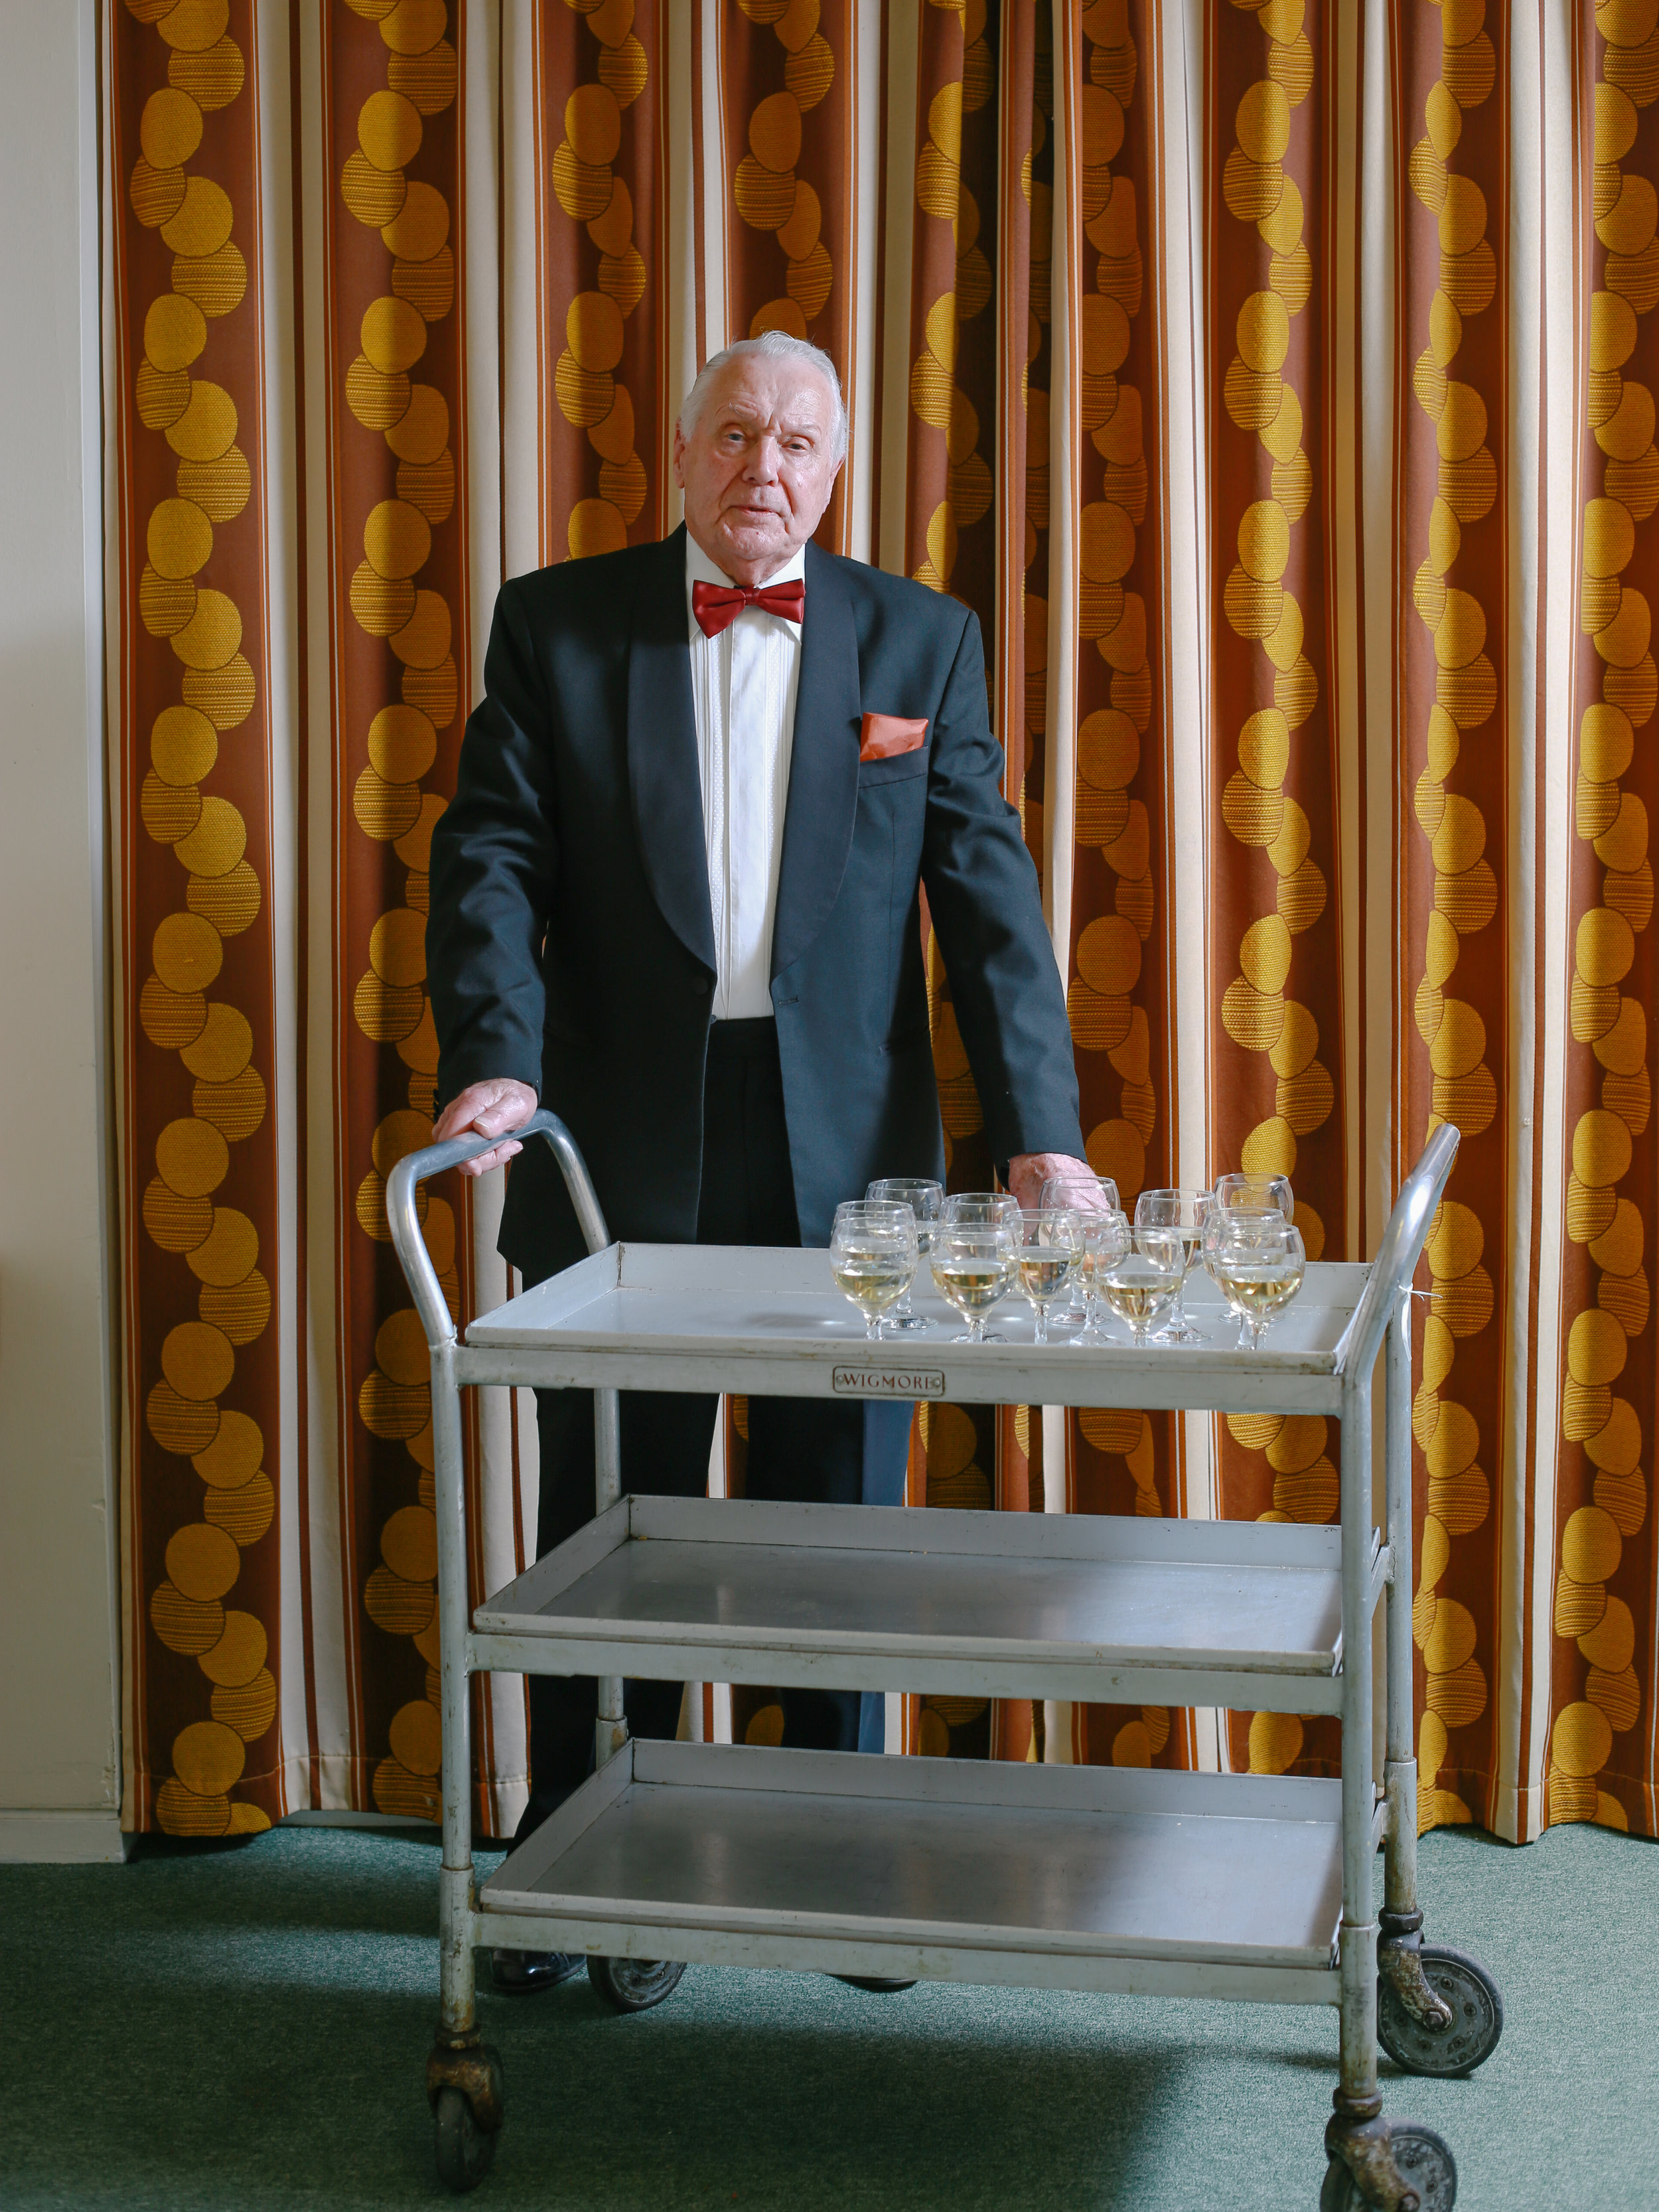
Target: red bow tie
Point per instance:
(718, 605)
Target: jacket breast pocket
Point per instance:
(901, 768)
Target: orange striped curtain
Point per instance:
(1275, 381)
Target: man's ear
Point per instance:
(678, 456)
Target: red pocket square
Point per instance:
(884, 735)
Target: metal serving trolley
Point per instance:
(1154, 1882)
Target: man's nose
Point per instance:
(763, 458)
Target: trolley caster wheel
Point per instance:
(462, 2148)
(633, 1984)
(1422, 2160)
(465, 2090)
(1477, 2015)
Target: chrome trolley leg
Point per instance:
(610, 1727)
(1439, 2012)
(1391, 2165)
(1357, 2092)
(1401, 1922)
(463, 2075)
(463, 2084)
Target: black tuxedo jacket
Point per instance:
(569, 942)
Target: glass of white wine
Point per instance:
(925, 1199)
(1050, 1247)
(1085, 1193)
(1186, 1211)
(1141, 1286)
(975, 1263)
(971, 1206)
(1260, 1199)
(1247, 1193)
(1105, 1239)
(873, 1257)
(1259, 1265)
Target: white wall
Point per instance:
(59, 1773)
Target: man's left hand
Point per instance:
(1028, 1173)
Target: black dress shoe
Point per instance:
(880, 1984)
(521, 1973)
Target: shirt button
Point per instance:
(700, 986)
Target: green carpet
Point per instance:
(244, 2026)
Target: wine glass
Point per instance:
(974, 1264)
(979, 1206)
(1081, 1192)
(1085, 1193)
(1259, 1265)
(925, 1199)
(873, 1257)
(1248, 1194)
(1186, 1210)
(1140, 1286)
(1050, 1246)
(1105, 1238)
(1263, 1199)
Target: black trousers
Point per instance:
(806, 1450)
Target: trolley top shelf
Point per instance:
(771, 1322)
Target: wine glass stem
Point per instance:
(1042, 1324)
(873, 1330)
(976, 1331)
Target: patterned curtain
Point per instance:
(1275, 379)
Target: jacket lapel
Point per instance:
(662, 751)
(824, 765)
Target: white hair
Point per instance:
(773, 345)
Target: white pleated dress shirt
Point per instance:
(744, 686)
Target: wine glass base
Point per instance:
(1179, 1332)
(908, 1321)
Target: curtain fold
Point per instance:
(1275, 382)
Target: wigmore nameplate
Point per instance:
(888, 1382)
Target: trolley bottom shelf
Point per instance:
(1095, 1878)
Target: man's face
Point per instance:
(759, 465)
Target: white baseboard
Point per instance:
(81, 1838)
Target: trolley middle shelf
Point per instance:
(1103, 1610)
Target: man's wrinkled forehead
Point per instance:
(802, 405)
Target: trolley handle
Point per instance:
(414, 1167)
(1401, 1248)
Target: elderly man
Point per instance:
(677, 898)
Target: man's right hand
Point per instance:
(488, 1108)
